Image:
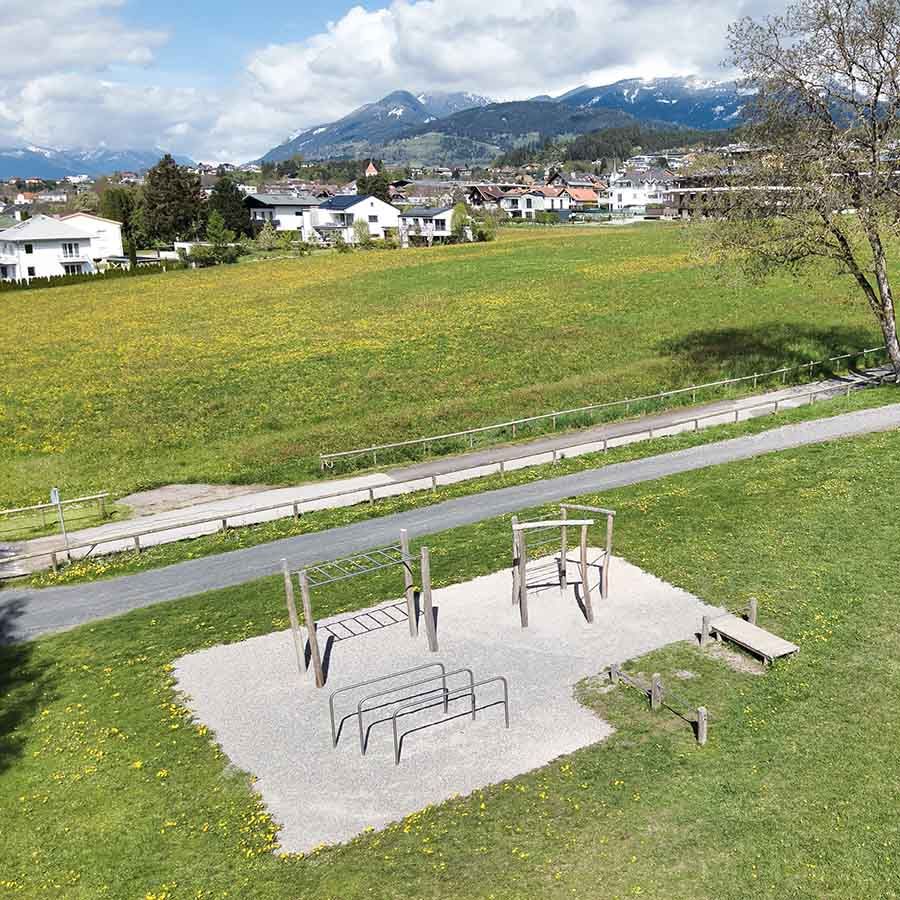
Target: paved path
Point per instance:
(33, 612)
(206, 517)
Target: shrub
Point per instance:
(362, 237)
(341, 245)
(267, 239)
(202, 255)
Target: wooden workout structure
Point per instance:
(352, 567)
(522, 546)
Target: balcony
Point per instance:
(74, 257)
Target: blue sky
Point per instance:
(229, 80)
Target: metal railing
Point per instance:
(43, 508)
(327, 460)
(432, 482)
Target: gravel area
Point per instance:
(274, 723)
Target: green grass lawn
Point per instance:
(245, 373)
(108, 789)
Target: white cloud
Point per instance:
(60, 58)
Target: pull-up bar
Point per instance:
(352, 567)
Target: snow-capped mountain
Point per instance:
(435, 127)
(373, 125)
(693, 102)
(53, 162)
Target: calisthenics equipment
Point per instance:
(353, 567)
(523, 545)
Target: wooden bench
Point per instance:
(751, 637)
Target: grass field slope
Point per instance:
(109, 789)
(244, 374)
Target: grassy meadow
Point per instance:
(244, 374)
(108, 788)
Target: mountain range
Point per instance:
(404, 127)
(54, 163)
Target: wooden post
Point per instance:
(137, 543)
(613, 674)
(296, 509)
(408, 583)
(523, 579)
(752, 610)
(656, 691)
(430, 629)
(54, 562)
(224, 524)
(563, 553)
(604, 580)
(702, 725)
(585, 586)
(515, 562)
(704, 631)
(314, 656)
(102, 506)
(296, 634)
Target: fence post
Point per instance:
(137, 543)
(523, 580)
(434, 483)
(428, 606)
(604, 576)
(655, 691)
(101, 505)
(299, 649)
(408, 583)
(702, 725)
(515, 562)
(314, 656)
(54, 562)
(296, 508)
(563, 552)
(613, 674)
(752, 610)
(585, 575)
(704, 631)
(224, 524)
(371, 495)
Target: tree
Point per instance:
(375, 186)
(218, 235)
(86, 201)
(267, 239)
(459, 221)
(227, 199)
(362, 237)
(172, 202)
(120, 204)
(820, 182)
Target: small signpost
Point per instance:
(57, 502)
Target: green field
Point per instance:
(108, 789)
(244, 374)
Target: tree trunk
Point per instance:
(887, 318)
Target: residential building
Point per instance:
(284, 211)
(106, 234)
(581, 196)
(631, 192)
(44, 247)
(484, 196)
(337, 216)
(429, 221)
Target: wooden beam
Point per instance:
(523, 580)
(604, 579)
(550, 523)
(563, 553)
(315, 657)
(702, 725)
(515, 563)
(585, 584)
(656, 691)
(296, 634)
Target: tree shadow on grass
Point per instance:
(24, 682)
(764, 347)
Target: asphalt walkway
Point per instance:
(32, 612)
(254, 507)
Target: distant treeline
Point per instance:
(615, 144)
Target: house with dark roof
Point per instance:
(338, 215)
(284, 211)
(484, 196)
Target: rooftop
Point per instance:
(284, 199)
(43, 228)
(427, 212)
(344, 201)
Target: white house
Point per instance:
(631, 192)
(44, 247)
(284, 211)
(337, 216)
(428, 221)
(106, 234)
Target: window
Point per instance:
(373, 219)
(29, 248)
(70, 249)
(72, 268)
(299, 212)
(528, 204)
(440, 224)
(31, 271)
